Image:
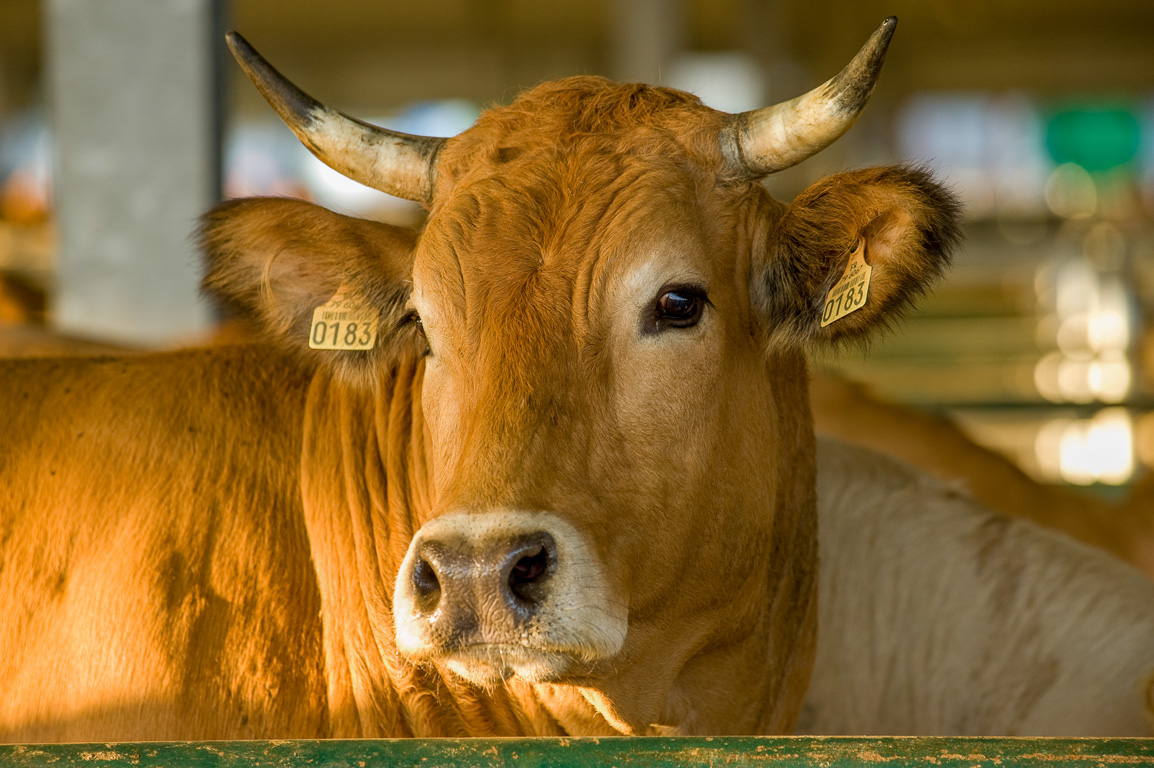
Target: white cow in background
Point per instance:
(938, 616)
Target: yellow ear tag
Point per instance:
(849, 293)
(343, 323)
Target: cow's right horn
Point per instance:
(777, 137)
(392, 162)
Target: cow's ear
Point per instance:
(812, 286)
(274, 261)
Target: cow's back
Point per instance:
(154, 569)
(938, 616)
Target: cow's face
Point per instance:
(603, 416)
(612, 321)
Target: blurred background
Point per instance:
(121, 120)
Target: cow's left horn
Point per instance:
(392, 162)
(777, 137)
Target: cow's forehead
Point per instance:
(545, 246)
(569, 175)
(610, 119)
(557, 231)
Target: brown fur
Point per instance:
(685, 456)
(1150, 701)
(154, 568)
(909, 225)
(274, 268)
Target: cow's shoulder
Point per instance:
(150, 504)
(153, 409)
(198, 377)
(939, 615)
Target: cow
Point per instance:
(560, 478)
(938, 615)
(850, 412)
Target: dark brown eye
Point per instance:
(413, 320)
(678, 307)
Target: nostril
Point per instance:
(426, 584)
(530, 567)
(530, 572)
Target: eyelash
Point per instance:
(411, 318)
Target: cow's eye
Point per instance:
(678, 307)
(413, 320)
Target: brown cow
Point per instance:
(566, 485)
(573, 479)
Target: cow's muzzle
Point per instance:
(506, 593)
(494, 587)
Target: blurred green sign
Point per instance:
(1096, 138)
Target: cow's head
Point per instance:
(613, 316)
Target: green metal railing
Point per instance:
(794, 752)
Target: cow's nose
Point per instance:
(505, 592)
(471, 581)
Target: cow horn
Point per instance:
(773, 138)
(392, 162)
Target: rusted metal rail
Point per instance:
(795, 752)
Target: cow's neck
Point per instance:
(366, 487)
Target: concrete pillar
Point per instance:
(644, 36)
(132, 88)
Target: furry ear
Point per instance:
(273, 261)
(902, 221)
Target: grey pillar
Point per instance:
(135, 122)
(644, 35)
